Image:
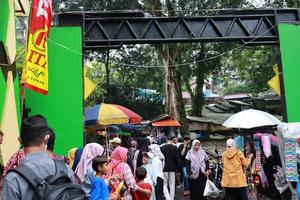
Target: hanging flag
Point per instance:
(89, 86)
(7, 32)
(35, 74)
(9, 123)
(274, 83)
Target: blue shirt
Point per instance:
(99, 190)
(87, 183)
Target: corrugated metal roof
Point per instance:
(236, 96)
(159, 118)
(239, 103)
(214, 109)
(221, 107)
(210, 117)
(228, 105)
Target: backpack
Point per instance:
(55, 187)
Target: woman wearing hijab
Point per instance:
(84, 170)
(158, 162)
(120, 172)
(199, 170)
(78, 154)
(234, 177)
(71, 156)
(148, 165)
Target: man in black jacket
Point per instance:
(172, 165)
(183, 149)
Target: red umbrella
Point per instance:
(108, 114)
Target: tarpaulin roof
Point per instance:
(166, 123)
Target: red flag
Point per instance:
(36, 73)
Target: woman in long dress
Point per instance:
(199, 170)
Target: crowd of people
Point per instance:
(145, 170)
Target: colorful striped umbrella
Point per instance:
(107, 114)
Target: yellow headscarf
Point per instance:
(71, 156)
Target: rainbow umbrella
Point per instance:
(107, 114)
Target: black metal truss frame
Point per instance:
(102, 30)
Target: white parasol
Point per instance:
(251, 118)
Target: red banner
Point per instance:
(35, 74)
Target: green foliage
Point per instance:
(100, 5)
(124, 79)
(252, 65)
(20, 62)
(237, 88)
(282, 4)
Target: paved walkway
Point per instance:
(179, 195)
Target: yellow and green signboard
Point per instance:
(63, 106)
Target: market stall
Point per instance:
(256, 135)
(289, 134)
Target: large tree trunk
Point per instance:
(198, 100)
(174, 101)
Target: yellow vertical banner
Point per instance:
(9, 123)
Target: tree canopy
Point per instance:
(155, 67)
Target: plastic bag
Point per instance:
(280, 180)
(211, 190)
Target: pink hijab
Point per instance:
(90, 151)
(118, 160)
(197, 159)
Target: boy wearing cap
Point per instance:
(116, 142)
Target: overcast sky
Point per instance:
(256, 3)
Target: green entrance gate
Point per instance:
(63, 106)
(289, 36)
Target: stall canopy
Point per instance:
(166, 123)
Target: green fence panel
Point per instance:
(63, 106)
(289, 37)
(4, 10)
